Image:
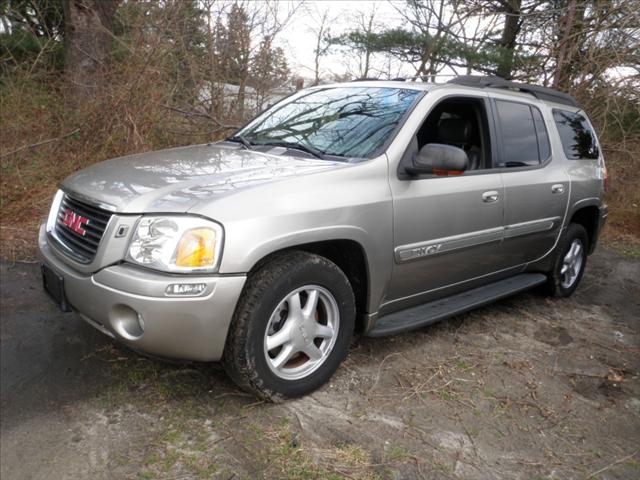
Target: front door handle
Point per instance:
(490, 196)
(558, 188)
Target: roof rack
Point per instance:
(542, 93)
(367, 79)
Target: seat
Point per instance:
(459, 133)
(474, 157)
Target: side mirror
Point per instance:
(439, 159)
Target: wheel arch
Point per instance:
(587, 214)
(349, 255)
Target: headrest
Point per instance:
(454, 130)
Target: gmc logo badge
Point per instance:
(75, 222)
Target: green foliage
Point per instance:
(31, 30)
(269, 66)
(44, 18)
(412, 46)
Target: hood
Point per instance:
(178, 179)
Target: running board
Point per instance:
(428, 313)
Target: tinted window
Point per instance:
(544, 149)
(343, 121)
(519, 139)
(578, 140)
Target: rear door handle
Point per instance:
(558, 188)
(490, 196)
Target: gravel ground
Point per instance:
(527, 388)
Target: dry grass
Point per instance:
(128, 116)
(623, 225)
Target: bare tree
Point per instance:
(363, 53)
(320, 30)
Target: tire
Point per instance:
(273, 302)
(567, 273)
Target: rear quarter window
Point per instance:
(578, 140)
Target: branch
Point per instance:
(621, 460)
(39, 144)
(188, 113)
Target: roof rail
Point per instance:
(369, 79)
(542, 93)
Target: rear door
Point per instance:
(536, 185)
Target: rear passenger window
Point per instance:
(578, 140)
(524, 137)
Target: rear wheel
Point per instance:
(292, 327)
(570, 262)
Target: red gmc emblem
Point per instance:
(75, 222)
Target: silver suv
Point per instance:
(372, 207)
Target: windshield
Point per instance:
(342, 121)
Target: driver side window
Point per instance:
(459, 122)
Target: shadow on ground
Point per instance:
(526, 388)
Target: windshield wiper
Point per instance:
(240, 139)
(296, 146)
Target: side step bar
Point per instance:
(428, 313)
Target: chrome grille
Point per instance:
(81, 247)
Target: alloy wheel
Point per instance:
(301, 332)
(571, 264)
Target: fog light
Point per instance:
(185, 289)
(127, 322)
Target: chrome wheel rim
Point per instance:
(571, 264)
(301, 332)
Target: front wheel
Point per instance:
(570, 262)
(292, 327)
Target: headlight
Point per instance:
(53, 212)
(176, 244)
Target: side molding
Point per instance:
(428, 248)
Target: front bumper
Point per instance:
(130, 304)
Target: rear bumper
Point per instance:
(602, 220)
(130, 304)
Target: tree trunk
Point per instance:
(508, 40)
(316, 70)
(367, 51)
(242, 87)
(570, 25)
(87, 43)
(367, 62)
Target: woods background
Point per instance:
(86, 80)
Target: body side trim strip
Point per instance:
(534, 226)
(428, 248)
(415, 251)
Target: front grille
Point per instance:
(81, 247)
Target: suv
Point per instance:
(372, 207)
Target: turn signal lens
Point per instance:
(196, 248)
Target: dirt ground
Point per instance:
(527, 388)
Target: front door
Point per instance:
(447, 230)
